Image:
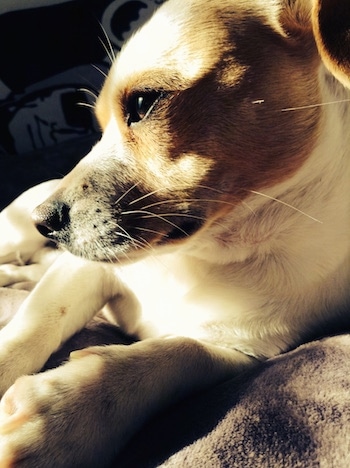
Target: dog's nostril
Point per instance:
(51, 218)
(44, 230)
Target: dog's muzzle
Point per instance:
(101, 230)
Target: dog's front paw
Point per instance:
(12, 274)
(9, 274)
(56, 418)
(82, 413)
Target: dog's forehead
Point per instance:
(189, 37)
(178, 37)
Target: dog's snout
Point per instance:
(51, 218)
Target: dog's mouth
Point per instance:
(183, 231)
(113, 234)
(155, 236)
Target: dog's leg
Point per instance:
(124, 310)
(71, 292)
(102, 396)
(39, 263)
(19, 239)
(23, 255)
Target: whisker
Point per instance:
(109, 43)
(141, 244)
(287, 205)
(210, 188)
(182, 215)
(108, 48)
(86, 104)
(109, 55)
(187, 215)
(147, 246)
(88, 91)
(125, 193)
(151, 231)
(162, 202)
(99, 70)
(191, 216)
(165, 188)
(311, 106)
(146, 196)
(224, 202)
(127, 235)
(101, 247)
(149, 214)
(249, 208)
(136, 243)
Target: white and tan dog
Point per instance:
(213, 217)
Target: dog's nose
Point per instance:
(51, 217)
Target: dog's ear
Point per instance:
(295, 18)
(328, 23)
(331, 25)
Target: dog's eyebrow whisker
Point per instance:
(110, 57)
(311, 106)
(88, 91)
(99, 70)
(287, 205)
(86, 104)
(149, 214)
(108, 48)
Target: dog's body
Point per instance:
(219, 191)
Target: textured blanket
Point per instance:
(293, 411)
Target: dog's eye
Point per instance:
(140, 105)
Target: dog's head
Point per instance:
(192, 121)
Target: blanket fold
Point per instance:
(292, 411)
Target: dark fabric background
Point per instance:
(52, 58)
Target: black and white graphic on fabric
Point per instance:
(121, 18)
(48, 79)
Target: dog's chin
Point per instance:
(121, 249)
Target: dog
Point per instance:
(211, 222)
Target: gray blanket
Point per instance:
(293, 411)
